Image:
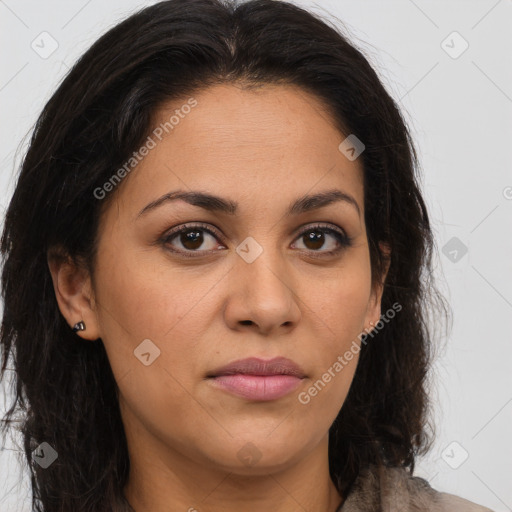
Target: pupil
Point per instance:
(317, 238)
(192, 239)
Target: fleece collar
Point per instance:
(389, 489)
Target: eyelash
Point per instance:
(343, 240)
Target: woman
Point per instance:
(217, 274)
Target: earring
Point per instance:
(80, 326)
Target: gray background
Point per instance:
(459, 108)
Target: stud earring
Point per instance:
(80, 326)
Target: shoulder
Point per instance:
(395, 489)
(458, 504)
(421, 496)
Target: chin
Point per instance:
(257, 454)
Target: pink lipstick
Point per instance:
(257, 379)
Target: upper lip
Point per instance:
(257, 366)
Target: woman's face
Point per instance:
(257, 280)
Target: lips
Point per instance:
(256, 366)
(258, 379)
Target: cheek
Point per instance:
(342, 300)
(139, 300)
(341, 308)
(133, 295)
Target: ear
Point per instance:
(73, 291)
(374, 305)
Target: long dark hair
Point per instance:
(99, 115)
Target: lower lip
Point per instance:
(258, 387)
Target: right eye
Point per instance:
(191, 237)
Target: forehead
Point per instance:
(272, 143)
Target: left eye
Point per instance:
(192, 238)
(316, 237)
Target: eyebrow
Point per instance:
(214, 203)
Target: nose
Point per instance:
(261, 295)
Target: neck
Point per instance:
(163, 479)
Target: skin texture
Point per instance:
(263, 148)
